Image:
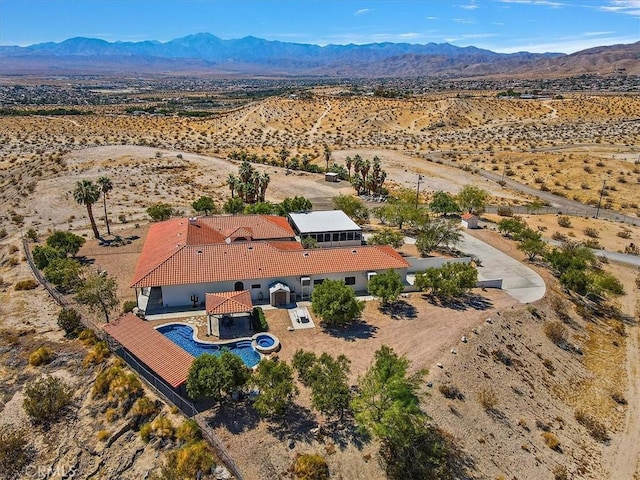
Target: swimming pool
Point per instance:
(182, 335)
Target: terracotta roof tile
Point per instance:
(224, 303)
(467, 216)
(255, 260)
(156, 351)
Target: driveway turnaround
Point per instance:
(518, 280)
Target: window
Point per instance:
(238, 287)
(327, 237)
(256, 285)
(318, 281)
(336, 237)
(305, 281)
(349, 280)
(358, 236)
(343, 236)
(349, 235)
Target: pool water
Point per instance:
(182, 335)
(265, 341)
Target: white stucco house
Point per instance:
(183, 260)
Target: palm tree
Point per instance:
(283, 154)
(262, 186)
(327, 155)
(349, 163)
(105, 186)
(87, 193)
(232, 181)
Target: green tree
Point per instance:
(205, 204)
(386, 286)
(87, 193)
(295, 204)
(387, 236)
(277, 389)
(216, 377)
(512, 226)
(443, 203)
(261, 208)
(69, 321)
(335, 303)
(160, 211)
(67, 242)
(43, 255)
(353, 207)
(234, 206)
(472, 199)
(309, 242)
(105, 187)
(64, 273)
(98, 292)
(448, 281)
(531, 243)
(46, 398)
(328, 379)
(283, 154)
(385, 392)
(438, 233)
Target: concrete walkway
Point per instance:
(518, 280)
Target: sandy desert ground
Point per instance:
(542, 387)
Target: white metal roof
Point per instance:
(323, 221)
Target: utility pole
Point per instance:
(600, 200)
(418, 190)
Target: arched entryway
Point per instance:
(238, 287)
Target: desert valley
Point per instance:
(502, 386)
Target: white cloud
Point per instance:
(562, 45)
(431, 18)
(362, 11)
(547, 3)
(627, 7)
(465, 21)
(472, 5)
(596, 34)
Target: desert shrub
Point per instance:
(502, 357)
(13, 249)
(189, 461)
(551, 440)
(111, 414)
(591, 232)
(87, 337)
(103, 435)
(624, 233)
(560, 472)
(162, 427)
(144, 408)
(97, 355)
(505, 211)
(41, 356)
(592, 243)
(189, 431)
(129, 305)
(488, 398)
(618, 397)
(14, 451)
(28, 284)
(311, 467)
(46, 398)
(556, 332)
(595, 428)
(564, 221)
(3, 232)
(145, 432)
(450, 391)
(548, 364)
(69, 321)
(118, 385)
(560, 237)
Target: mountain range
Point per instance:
(204, 53)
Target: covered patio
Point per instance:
(229, 314)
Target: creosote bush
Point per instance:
(41, 356)
(556, 332)
(551, 440)
(14, 451)
(488, 398)
(564, 221)
(189, 461)
(28, 284)
(69, 321)
(97, 355)
(46, 398)
(311, 467)
(595, 428)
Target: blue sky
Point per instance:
(500, 25)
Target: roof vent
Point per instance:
(354, 251)
(193, 220)
(305, 254)
(199, 252)
(250, 247)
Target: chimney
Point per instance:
(193, 220)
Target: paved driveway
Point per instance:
(518, 280)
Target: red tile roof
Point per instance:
(467, 216)
(166, 238)
(156, 351)
(225, 303)
(255, 260)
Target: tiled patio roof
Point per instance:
(226, 303)
(165, 358)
